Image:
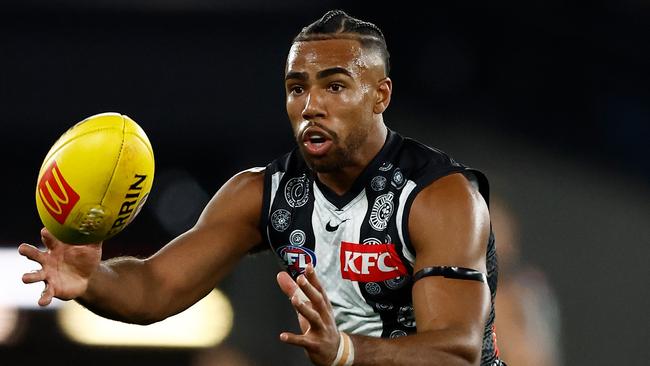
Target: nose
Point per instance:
(313, 108)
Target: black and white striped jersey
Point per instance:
(359, 243)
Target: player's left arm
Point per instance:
(449, 226)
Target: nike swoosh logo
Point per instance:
(331, 228)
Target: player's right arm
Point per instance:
(182, 272)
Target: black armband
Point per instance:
(458, 273)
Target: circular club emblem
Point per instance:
(396, 283)
(397, 333)
(373, 288)
(280, 219)
(398, 179)
(378, 183)
(297, 238)
(296, 191)
(382, 209)
(406, 317)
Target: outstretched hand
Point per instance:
(320, 336)
(65, 270)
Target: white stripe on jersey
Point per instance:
(406, 192)
(275, 184)
(351, 312)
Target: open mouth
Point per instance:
(316, 141)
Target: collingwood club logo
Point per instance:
(382, 209)
(296, 191)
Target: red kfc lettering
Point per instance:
(370, 262)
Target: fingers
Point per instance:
(313, 279)
(317, 297)
(308, 312)
(46, 296)
(48, 239)
(298, 340)
(34, 276)
(31, 252)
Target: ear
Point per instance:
(384, 91)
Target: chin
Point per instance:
(325, 164)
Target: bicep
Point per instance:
(191, 265)
(449, 226)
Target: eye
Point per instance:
(296, 89)
(335, 87)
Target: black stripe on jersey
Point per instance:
(289, 220)
(391, 299)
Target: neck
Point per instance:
(341, 180)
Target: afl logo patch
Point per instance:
(382, 209)
(378, 183)
(280, 219)
(296, 259)
(297, 238)
(296, 191)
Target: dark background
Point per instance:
(550, 99)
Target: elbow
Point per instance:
(467, 355)
(145, 317)
(453, 347)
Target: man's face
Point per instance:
(331, 93)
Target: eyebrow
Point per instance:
(319, 75)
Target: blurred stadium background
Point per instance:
(550, 99)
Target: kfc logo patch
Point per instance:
(296, 258)
(370, 263)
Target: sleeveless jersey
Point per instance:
(359, 243)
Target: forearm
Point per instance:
(446, 348)
(122, 289)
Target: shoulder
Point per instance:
(424, 164)
(449, 217)
(240, 197)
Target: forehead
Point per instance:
(317, 55)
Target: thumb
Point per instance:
(286, 283)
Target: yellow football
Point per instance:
(95, 179)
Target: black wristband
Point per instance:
(458, 273)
